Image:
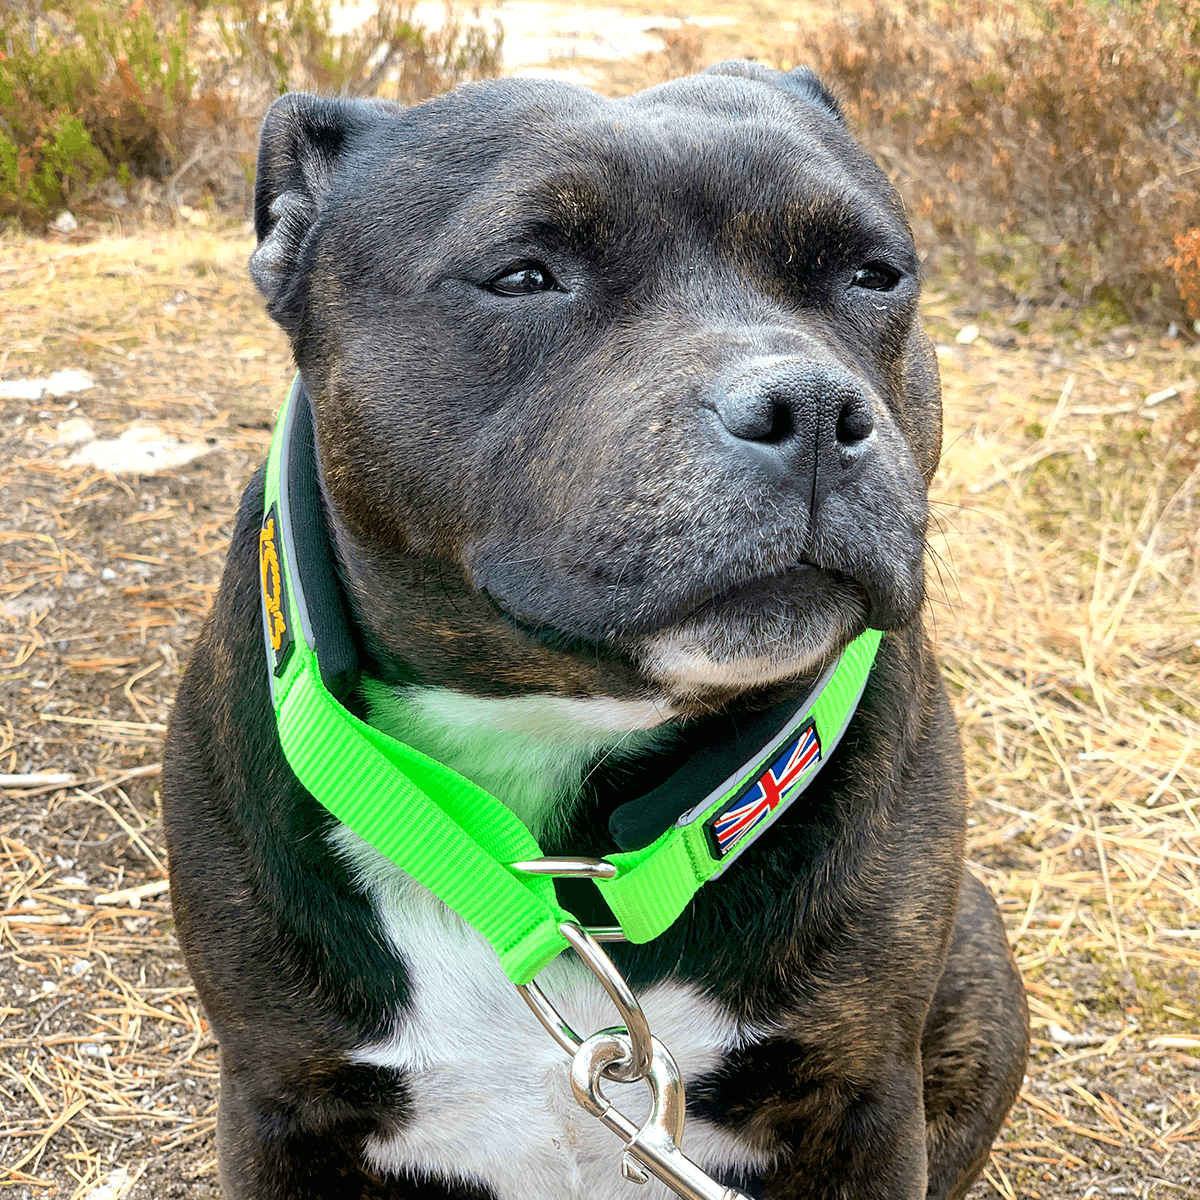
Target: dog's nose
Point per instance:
(812, 421)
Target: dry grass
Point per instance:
(107, 1072)
(134, 1054)
(1068, 618)
(1070, 632)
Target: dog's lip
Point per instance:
(548, 634)
(743, 593)
(744, 589)
(768, 585)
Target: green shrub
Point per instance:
(85, 87)
(156, 90)
(60, 158)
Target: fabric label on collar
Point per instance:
(274, 592)
(772, 791)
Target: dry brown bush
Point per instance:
(1186, 265)
(1070, 129)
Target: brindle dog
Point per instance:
(624, 422)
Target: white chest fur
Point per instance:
(490, 1095)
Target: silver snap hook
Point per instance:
(654, 1148)
(626, 1054)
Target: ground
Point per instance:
(1065, 604)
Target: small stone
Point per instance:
(60, 383)
(64, 223)
(143, 449)
(75, 431)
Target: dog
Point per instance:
(622, 422)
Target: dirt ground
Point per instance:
(107, 1074)
(1066, 604)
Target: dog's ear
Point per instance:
(302, 139)
(800, 81)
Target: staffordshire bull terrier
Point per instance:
(607, 459)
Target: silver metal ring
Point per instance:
(567, 868)
(576, 868)
(606, 933)
(620, 993)
(637, 1066)
(551, 1019)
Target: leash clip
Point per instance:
(654, 1148)
(627, 1053)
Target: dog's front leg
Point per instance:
(854, 1132)
(283, 1144)
(864, 1142)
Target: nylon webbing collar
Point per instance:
(451, 835)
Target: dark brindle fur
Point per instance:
(625, 403)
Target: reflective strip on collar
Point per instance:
(451, 835)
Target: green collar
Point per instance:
(449, 834)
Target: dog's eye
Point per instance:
(877, 277)
(521, 280)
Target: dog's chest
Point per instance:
(489, 1092)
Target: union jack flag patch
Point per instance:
(775, 787)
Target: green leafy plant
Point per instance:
(60, 159)
(159, 89)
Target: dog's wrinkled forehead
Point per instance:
(406, 193)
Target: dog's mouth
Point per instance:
(753, 632)
(759, 632)
(762, 591)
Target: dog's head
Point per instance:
(614, 397)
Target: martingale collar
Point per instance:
(457, 839)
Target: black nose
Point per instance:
(809, 421)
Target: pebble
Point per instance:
(60, 383)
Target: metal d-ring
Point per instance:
(569, 868)
(611, 980)
(585, 943)
(620, 993)
(576, 868)
(633, 1018)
